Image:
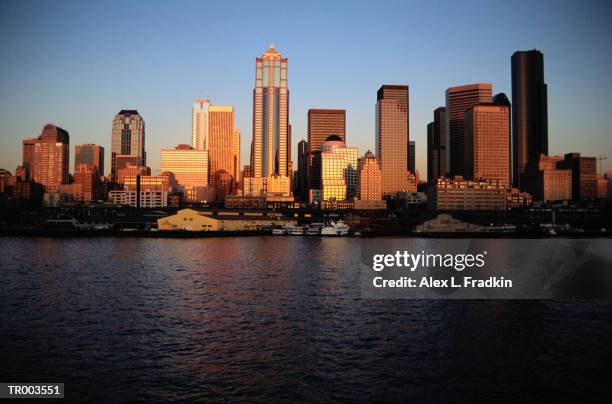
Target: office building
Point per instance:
(236, 158)
(129, 171)
(458, 100)
(411, 156)
(392, 137)
(190, 168)
(302, 171)
(338, 170)
(545, 181)
(220, 140)
(199, 124)
(50, 156)
(487, 141)
(91, 154)
(28, 156)
(436, 146)
(584, 175)
(87, 178)
(529, 112)
(270, 151)
(460, 194)
(322, 123)
(128, 138)
(369, 185)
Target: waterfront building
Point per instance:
(195, 220)
(518, 199)
(128, 138)
(338, 170)
(458, 100)
(277, 185)
(87, 178)
(245, 202)
(445, 223)
(270, 148)
(190, 167)
(546, 181)
(584, 175)
(91, 154)
(142, 199)
(529, 112)
(50, 157)
(392, 110)
(487, 141)
(322, 123)
(460, 194)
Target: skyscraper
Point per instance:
(87, 179)
(392, 137)
(199, 124)
(529, 112)
(236, 156)
(433, 155)
(302, 180)
(322, 123)
(220, 140)
(487, 141)
(436, 146)
(91, 154)
(128, 137)
(458, 100)
(28, 156)
(411, 156)
(50, 156)
(270, 116)
(584, 175)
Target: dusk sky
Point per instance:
(76, 64)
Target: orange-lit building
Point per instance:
(50, 156)
(236, 157)
(338, 170)
(200, 124)
(91, 154)
(131, 170)
(460, 194)
(128, 138)
(547, 182)
(220, 140)
(458, 100)
(190, 168)
(322, 123)
(392, 137)
(369, 186)
(86, 176)
(28, 156)
(584, 175)
(487, 141)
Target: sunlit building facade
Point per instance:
(546, 181)
(338, 170)
(458, 100)
(50, 157)
(128, 138)
(189, 166)
(460, 194)
(91, 154)
(236, 157)
(322, 123)
(199, 124)
(392, 137)
(87, 177)
(369, 185)
(270, 149)
(220, 140)
(487, 141)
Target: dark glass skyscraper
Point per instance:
(436, 146)
(302, 174)
(529, 112)
(411, 156)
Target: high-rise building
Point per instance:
(411, 156)
(436, 146)
(128, 138)
(584, 175)
(236, 157)
(369, 185)
(130, 171)
(87, 178)
(28, 156)
(190, 168)
(91, 154)
(392, 137)
(199, 124)
(338, 170)
(433, 155)
(529, 112)
(50, 156)
(270, 116)
(458, 100)
(302, 171)
(487, 141)
(322, 123)
(546, 181)
(220, 140)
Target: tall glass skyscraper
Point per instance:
(392, 137)
(529, 112)
(270, 153)
(128, 138)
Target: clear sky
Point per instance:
(77, 63)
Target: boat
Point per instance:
(338, 228)
(297, 231)
(278, 232)
(314, 229)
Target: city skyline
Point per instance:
(168, 120)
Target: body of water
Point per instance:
(275, 319)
